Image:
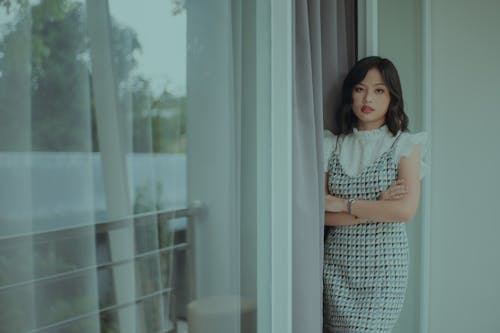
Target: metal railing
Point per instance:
(160, 217)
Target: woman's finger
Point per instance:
(400, 189)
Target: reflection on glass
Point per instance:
(65, 265)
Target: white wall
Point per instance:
(399, 39)
(465, 226)
(464, 293)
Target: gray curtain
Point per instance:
(324, 50)
(338, 49)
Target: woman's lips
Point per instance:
(366, 109)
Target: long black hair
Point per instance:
(395, 119)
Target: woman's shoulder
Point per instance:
(329, 138)
(407, 142)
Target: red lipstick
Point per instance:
(366, 109)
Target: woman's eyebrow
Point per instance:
(375, 84)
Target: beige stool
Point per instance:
(218, 314)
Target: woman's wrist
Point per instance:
(346, 206)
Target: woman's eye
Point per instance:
(379, 91)
(358, 89)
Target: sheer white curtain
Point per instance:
(84, 129)
(47, 177)
(113, 114)
(221, 163)
(213, 144)
(324, 49)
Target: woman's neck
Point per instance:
(369, 127)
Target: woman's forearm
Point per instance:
(342, 219)
(374, 210)
(387, 211)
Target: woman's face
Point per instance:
(370, 101)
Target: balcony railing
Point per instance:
(182, 242)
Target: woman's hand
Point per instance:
(396, 191)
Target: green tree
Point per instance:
(60, 79)
(59, 72)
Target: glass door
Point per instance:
(128, 151)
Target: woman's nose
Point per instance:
(368, 96)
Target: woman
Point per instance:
(366, 247)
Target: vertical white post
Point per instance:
(111, 144)
(212, 152)
(213, 155)
(263, 165)
(426, 186)
(281, 164)
(371, 27)
(367, 28)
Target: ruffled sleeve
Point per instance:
(328, 145)
(406, 144)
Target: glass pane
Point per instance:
(151, 83)
(113, 114)
(66, 155)
(46, 162)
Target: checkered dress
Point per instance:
(366, 265)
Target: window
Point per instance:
(92, 164)
(129, 133)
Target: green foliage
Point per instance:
(59, 78)
(13, 311)
(169, 124)
(159, 122)
(178, 6)
(7, 4)
(57, 62)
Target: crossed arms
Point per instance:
(396, 204)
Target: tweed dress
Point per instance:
(365, 266)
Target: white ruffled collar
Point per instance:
(373, 134)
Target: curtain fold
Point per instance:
(324, 50)
(338, 49)
(307, 125)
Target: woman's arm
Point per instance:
(342, 219)
(387, 211)
(396, 191)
